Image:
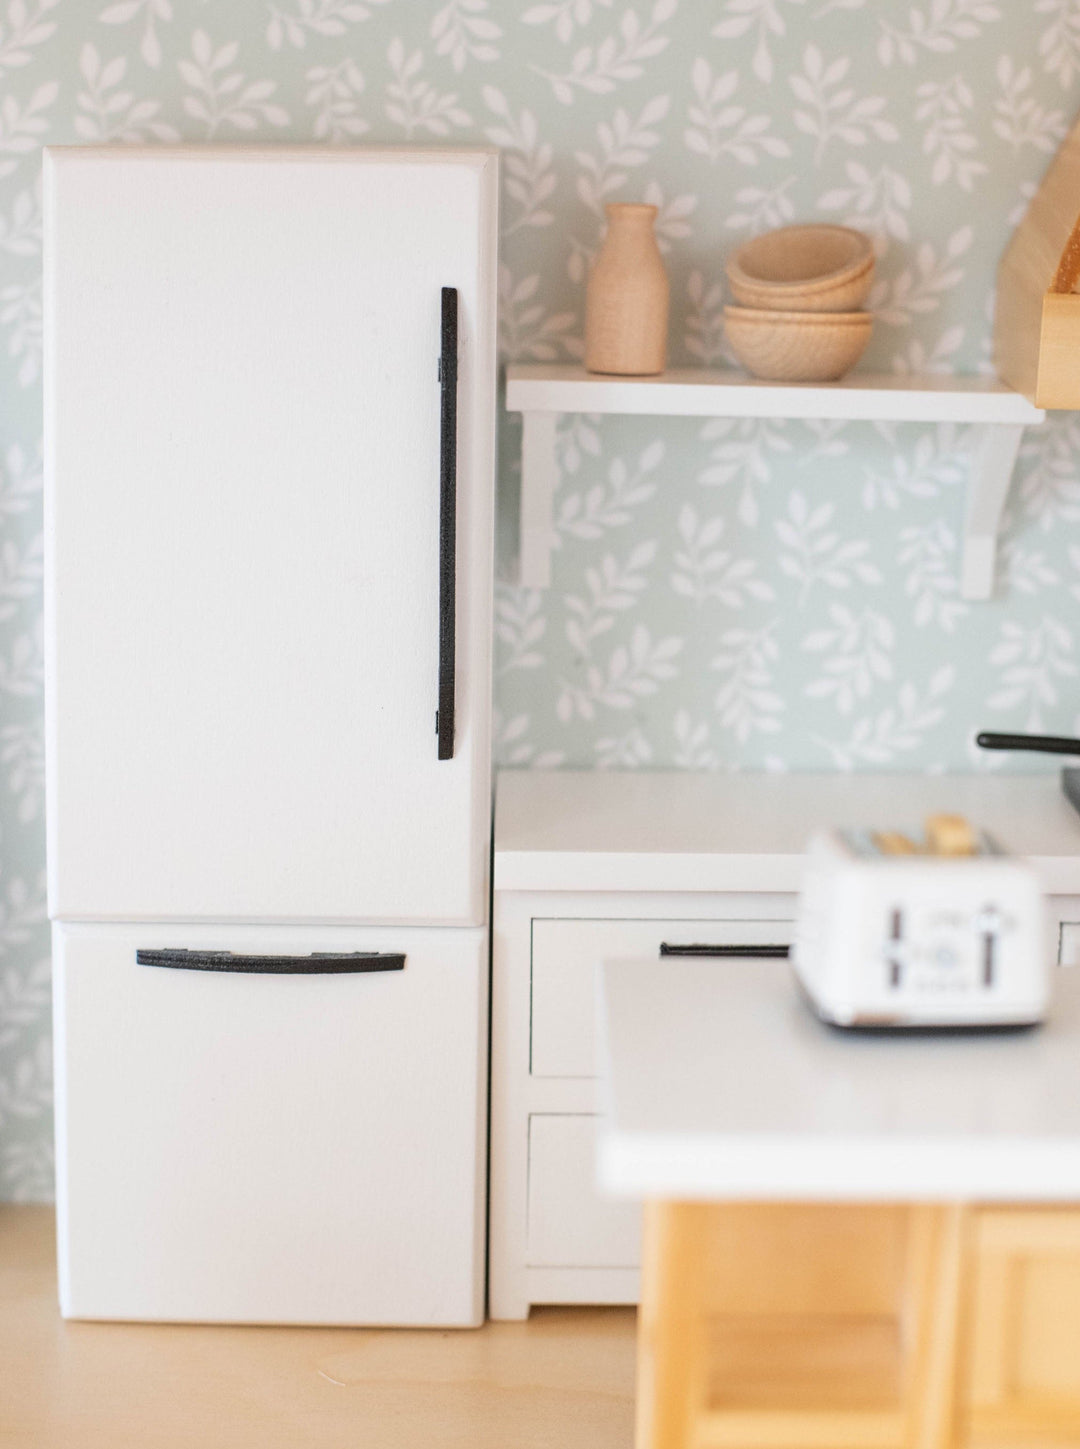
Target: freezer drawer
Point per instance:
(259, 1147)
(245, 541)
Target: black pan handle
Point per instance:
(696, 949)
(444, 715)
(1039, 744)
(319, 963)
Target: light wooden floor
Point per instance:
(563, 1380)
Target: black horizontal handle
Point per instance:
(319, 963)
(695, 949)
(1039, 744)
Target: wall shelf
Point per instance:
(541, 392)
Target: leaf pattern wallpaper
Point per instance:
(726, 594)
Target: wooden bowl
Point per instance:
(797, 346)
(803, 269)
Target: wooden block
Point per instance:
(1037, 320)
(1058, 381)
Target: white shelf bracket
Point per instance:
(539, 478)
(988, 487)
(998, 415)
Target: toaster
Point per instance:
(939, 931)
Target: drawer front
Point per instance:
(565, 955)
(570, 1224)
(1069, 954)
(249, 1146)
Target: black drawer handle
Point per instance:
(444, 715)
(319, 963)
(667, 949)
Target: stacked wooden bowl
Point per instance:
(800, 292)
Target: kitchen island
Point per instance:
(850, 1240)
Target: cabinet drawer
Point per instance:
(570, 1224)
(242, 1145)
(565, 954)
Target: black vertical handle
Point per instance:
(444, 717)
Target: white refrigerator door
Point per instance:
(242, 592)
(264, 1148)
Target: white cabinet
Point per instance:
(259, 1147)
(244, 544)
(598, 866)
(562, 1041)
(554, 1238)
(571, 1225)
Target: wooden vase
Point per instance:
(626, 301)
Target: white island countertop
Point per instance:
(681, 831)
(720, 1083)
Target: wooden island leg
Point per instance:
(938, 1274)
(671, 1325)
(763, 1327)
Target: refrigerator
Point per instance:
(270, 392)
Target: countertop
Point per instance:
(678, 831)
(721, 1083)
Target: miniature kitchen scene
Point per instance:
(540, 724)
